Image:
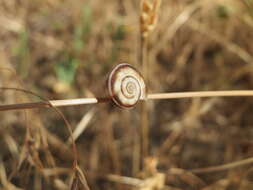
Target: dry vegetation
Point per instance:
(65, 49)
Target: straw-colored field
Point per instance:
(63, 49)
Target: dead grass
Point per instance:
(64, 49)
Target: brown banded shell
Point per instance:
(126, 86)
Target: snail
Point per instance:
(126, 86)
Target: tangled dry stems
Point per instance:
(191, 58)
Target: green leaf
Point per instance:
(66, 70)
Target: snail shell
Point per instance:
(126, 86)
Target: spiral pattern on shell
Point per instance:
(126, 86)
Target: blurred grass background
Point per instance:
(65, 49)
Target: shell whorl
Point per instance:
(126, 86)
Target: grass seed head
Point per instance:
(148, 17)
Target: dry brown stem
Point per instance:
(223, 167)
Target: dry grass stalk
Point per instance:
(218, 65)
(232, 47)
(152, 96)
(55, 103)
(36, 138)
(172, 28)
(149, 16)
(223, 167)
(82, 125)
(177, 174)
(151, 179)
(203, 94)
(148, 20)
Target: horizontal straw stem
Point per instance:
(82, 101)
(200, 94)
(55, 103)
(24, 106)
(72, 102)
